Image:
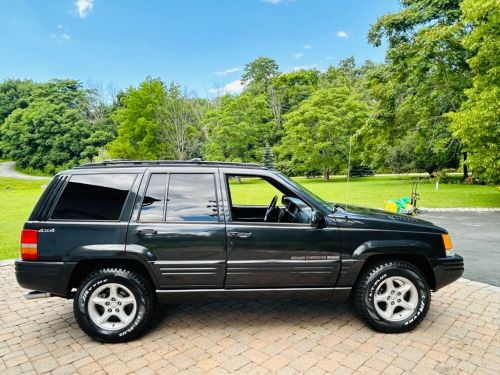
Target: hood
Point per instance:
(381, 218)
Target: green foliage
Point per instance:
(137, 126)
(237, 128)
(425, 78)
(295, 87)
(477, 122)
(317, 133)
(259, 73)
(436, 97)
(14, 94)
(52, 132)
(156, 121)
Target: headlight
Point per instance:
(448, 246)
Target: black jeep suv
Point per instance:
(119, 236)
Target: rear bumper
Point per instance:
(447, 270)
(50, 277)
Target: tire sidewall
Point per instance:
(423, 297)
(82, 300)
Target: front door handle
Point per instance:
(239, 234)
(146, 231)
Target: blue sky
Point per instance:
(200, 44)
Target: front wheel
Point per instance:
(392, 296)
(114, 305)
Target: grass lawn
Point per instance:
(373, 191)
(18, 197)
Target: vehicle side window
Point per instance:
(251, 191)
(94, 197)
(191, 197)
(153, 204)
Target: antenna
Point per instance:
(348, 174)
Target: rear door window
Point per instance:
(94, 197)
(191, 197)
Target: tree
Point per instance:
(238, 127)
(14, 94)
(317, 133)
(138, 128)
(259, 73)
(427, 72)
(477, 122)
(268, 158)
(179, 121)
(52, 132)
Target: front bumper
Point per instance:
(50, 277)
(447, 270)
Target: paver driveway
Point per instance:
(460, 335)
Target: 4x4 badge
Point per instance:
(47, 230)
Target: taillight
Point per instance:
(29, 242)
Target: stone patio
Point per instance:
(460, 335)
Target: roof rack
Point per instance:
(133, 163)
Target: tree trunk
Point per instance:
(326, 173)
(466, 173)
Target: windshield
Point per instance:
(327, 205)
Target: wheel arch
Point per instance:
(87, 266)
(418, 260)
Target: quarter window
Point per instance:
(153, 204)
(191, 197)
(94, 197)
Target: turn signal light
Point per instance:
(29, 244)
(447, 242)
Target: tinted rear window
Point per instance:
(94, 197)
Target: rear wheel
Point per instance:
(392, 296)
(114, 305)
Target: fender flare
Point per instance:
(351, 267)
(112, 252)
(393, 247)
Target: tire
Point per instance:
(378, 303)
(114, 305)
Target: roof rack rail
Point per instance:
(133, 163)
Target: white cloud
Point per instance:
(342, 34)
(228, 71)
(61, 35)
(298, 55)
(234, 87)
(83, 7)
(307, 46)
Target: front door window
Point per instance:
(257, 199)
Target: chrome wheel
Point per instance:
(396, 299)
(112, 306)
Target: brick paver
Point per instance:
(459, 336)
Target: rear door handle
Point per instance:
(146, 231)
(239, 234)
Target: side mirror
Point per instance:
(318, 219)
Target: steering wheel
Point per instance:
(271, 208)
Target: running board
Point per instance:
(328, 294)
(35, 294)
